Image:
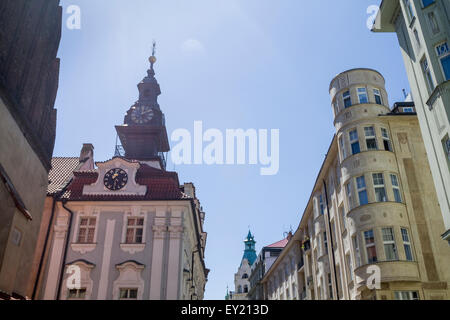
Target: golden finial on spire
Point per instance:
(152, 59)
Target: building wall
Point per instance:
(344, 214)
(30, 34)
(29, 178)
(419, 36)
(160, 267)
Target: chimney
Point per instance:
(86, 157)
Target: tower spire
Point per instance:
(152, 59)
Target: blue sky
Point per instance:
(232, 64)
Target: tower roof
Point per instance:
(249, 252)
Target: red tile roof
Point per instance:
(279, 244)
(161, 185)
(61, 172)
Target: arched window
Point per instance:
(245, 276)
(246, 289)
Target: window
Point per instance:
(135, 230)
(354, 142)
(245, 276)
(386, 139)
(443, 53)
(427, 74)
(433, 23)
(426, 3)
(362, 192)
(330, 286)
(407, 244)
(128, 294)
(390, 250)
(377, 95)
(416, 36)
(75, 294)
(362, 95)
(342, 213)
(408, 110)
(246, 289)
(321, 207)
(349, 266)
(371, 250)
(396, 188)
(342, 148)
(325, 242)
(409, 9)
(446, 146)
(86, 230)
(371, 140)
(357, 253)
(406, 295)
(348, 188)
(347, 99)
(378, 184)
(240, 289)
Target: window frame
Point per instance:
(426, 5)
(135, 227)
(370, 137)
(362, 93)
(442, 56)
(79, 295)
(349, 194)
(377, 95)
(399, 295)
(357, 251)
(396, 187)
(347, 96)
(389, 242)
(128, 293)
(426, 70)
(361, 189)
(379, 186)
(86, 229)
(354, 141)
(386, 139)
(407, 243)
(368, 245)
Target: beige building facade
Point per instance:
(372, 226)
(423, 30)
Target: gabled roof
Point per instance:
(278, 244)
(61, 173)
(161, 185)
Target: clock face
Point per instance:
(142, 114)
(115, 179)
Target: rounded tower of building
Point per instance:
(371, 196)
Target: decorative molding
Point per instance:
(131, 188)
(129, 277)
(83, 247)
(132, 248)
(159, 231)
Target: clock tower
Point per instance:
(143, 134)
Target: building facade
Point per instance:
(372, 225)
(263, 262)
(124, 228)
(423, 30)
(30, 33)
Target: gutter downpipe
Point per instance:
(47, 236)
(61, 274)
(331, 239)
